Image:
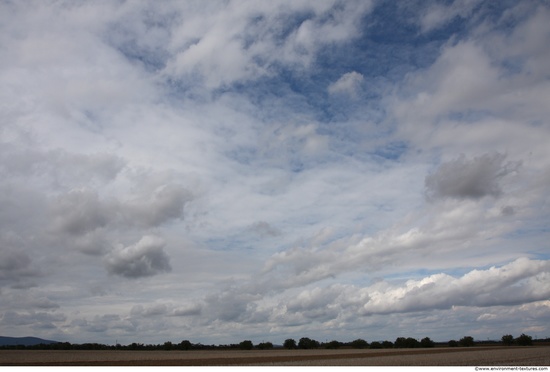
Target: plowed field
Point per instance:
(474, 356)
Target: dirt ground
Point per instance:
(474, 356)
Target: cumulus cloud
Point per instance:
(349, 83)
(469, 179)
(511, 284)
(145, 258)
(477, 80)
(316, 303)
(336, 305)
(514, 283)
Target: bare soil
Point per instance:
(474, 356)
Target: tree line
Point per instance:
(303, 343)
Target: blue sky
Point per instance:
(228, 170)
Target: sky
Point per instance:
(238, 170)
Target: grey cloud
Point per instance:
(59, 167)
(43, 303)
(153, 310)
(105, 323)
(232, 305)
(12, 261)
(469, 179)
(195, 309)
(21, 208)
(103, 166)
(508, 210)
(263, 228)
(161, 309)
(165, 203)
(92, 243)
(145, 258)
(16, 267)
(80, 211)
(318, 303)
(32, 318)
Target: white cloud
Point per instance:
(437, 15)
(349, 83)
(238, 42)
(514, 283)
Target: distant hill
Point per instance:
(27, 341)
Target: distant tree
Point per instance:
(265, 345)
(453, 343)
(375, 345)
(246, 345)
(426, 342)
(387, 344)
(400, 342)
(199, 346)
(467, 341)
(167, 345)
(64, 346)
(524, 340)
(185, 345)
(307, 343)
(412, 342)
(333, 345)
(409, 342)
(289, 343)
(508, 340)
(359, 344)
